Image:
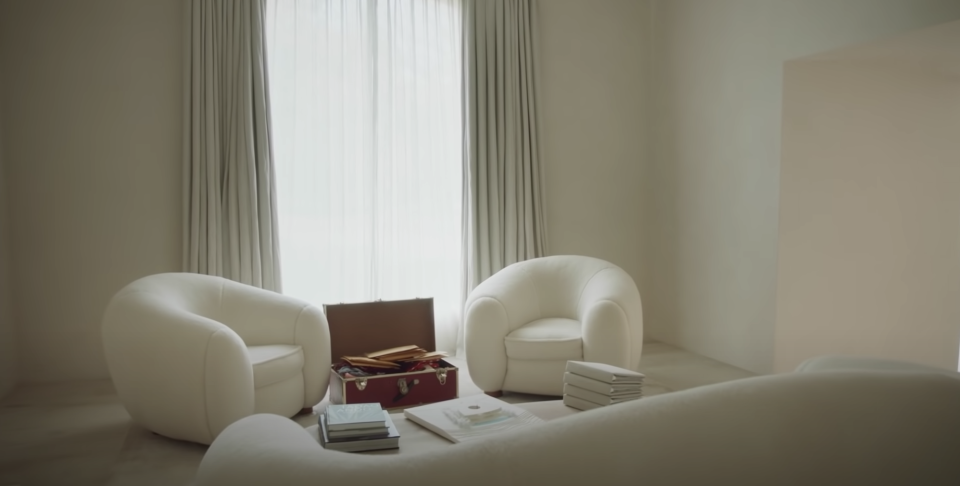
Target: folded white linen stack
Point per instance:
(591, 385)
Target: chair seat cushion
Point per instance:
(552, 338)
(275, 363)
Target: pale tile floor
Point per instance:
(78, 433)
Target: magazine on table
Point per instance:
(471, 418)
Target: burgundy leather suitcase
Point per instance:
(364, 327)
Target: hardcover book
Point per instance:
(579, 403)
(353, 433)
(354, 416)
(604, 372)
(595, 397)
(598, 386)
(361, 444)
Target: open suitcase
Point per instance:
(364, 327)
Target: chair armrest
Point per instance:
(486, 327)
(179, 374)
(498, 306)
(312, 333)
(263, 317)
(611, 314)
(606, 335)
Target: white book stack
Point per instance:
(592, 385)
(357, 427)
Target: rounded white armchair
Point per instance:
(526, 321)
(190, 354)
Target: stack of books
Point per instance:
(357, 427)
(592, 385)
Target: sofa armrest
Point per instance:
(861, 363)
(180, 374)
(239, 455)
(267, 450)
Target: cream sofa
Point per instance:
(526, 321)
(190, 354)
(842, 427)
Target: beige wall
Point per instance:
(94, 95)
(92, 122)
(593, 60)
(716, 133)
(869, 255)
(8, 330)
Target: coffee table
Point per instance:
(414, 437)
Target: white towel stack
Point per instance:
(591, 385)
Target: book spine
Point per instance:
(353, 434)
(583, 369)
(363, 446)
(588, 395)
(587, 383)
(342, 427)
(579, 403)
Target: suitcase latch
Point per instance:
(442, 375)
(404, 387)
(361, 383)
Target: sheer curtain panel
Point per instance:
(230, 202)
(367, 132)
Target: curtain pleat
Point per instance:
(230, 201)
(503, 214)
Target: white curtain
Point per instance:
(366, 112)
(503, 207)
(230, 202)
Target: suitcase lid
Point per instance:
(363, 327)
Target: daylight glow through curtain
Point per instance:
(366, 114)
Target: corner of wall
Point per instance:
(9, 376)
(655, 327)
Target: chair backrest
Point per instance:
(560, 281)
(245, 309)
(192, 292)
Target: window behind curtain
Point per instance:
(365, 109)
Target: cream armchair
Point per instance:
(525, 322)
(190, 354)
